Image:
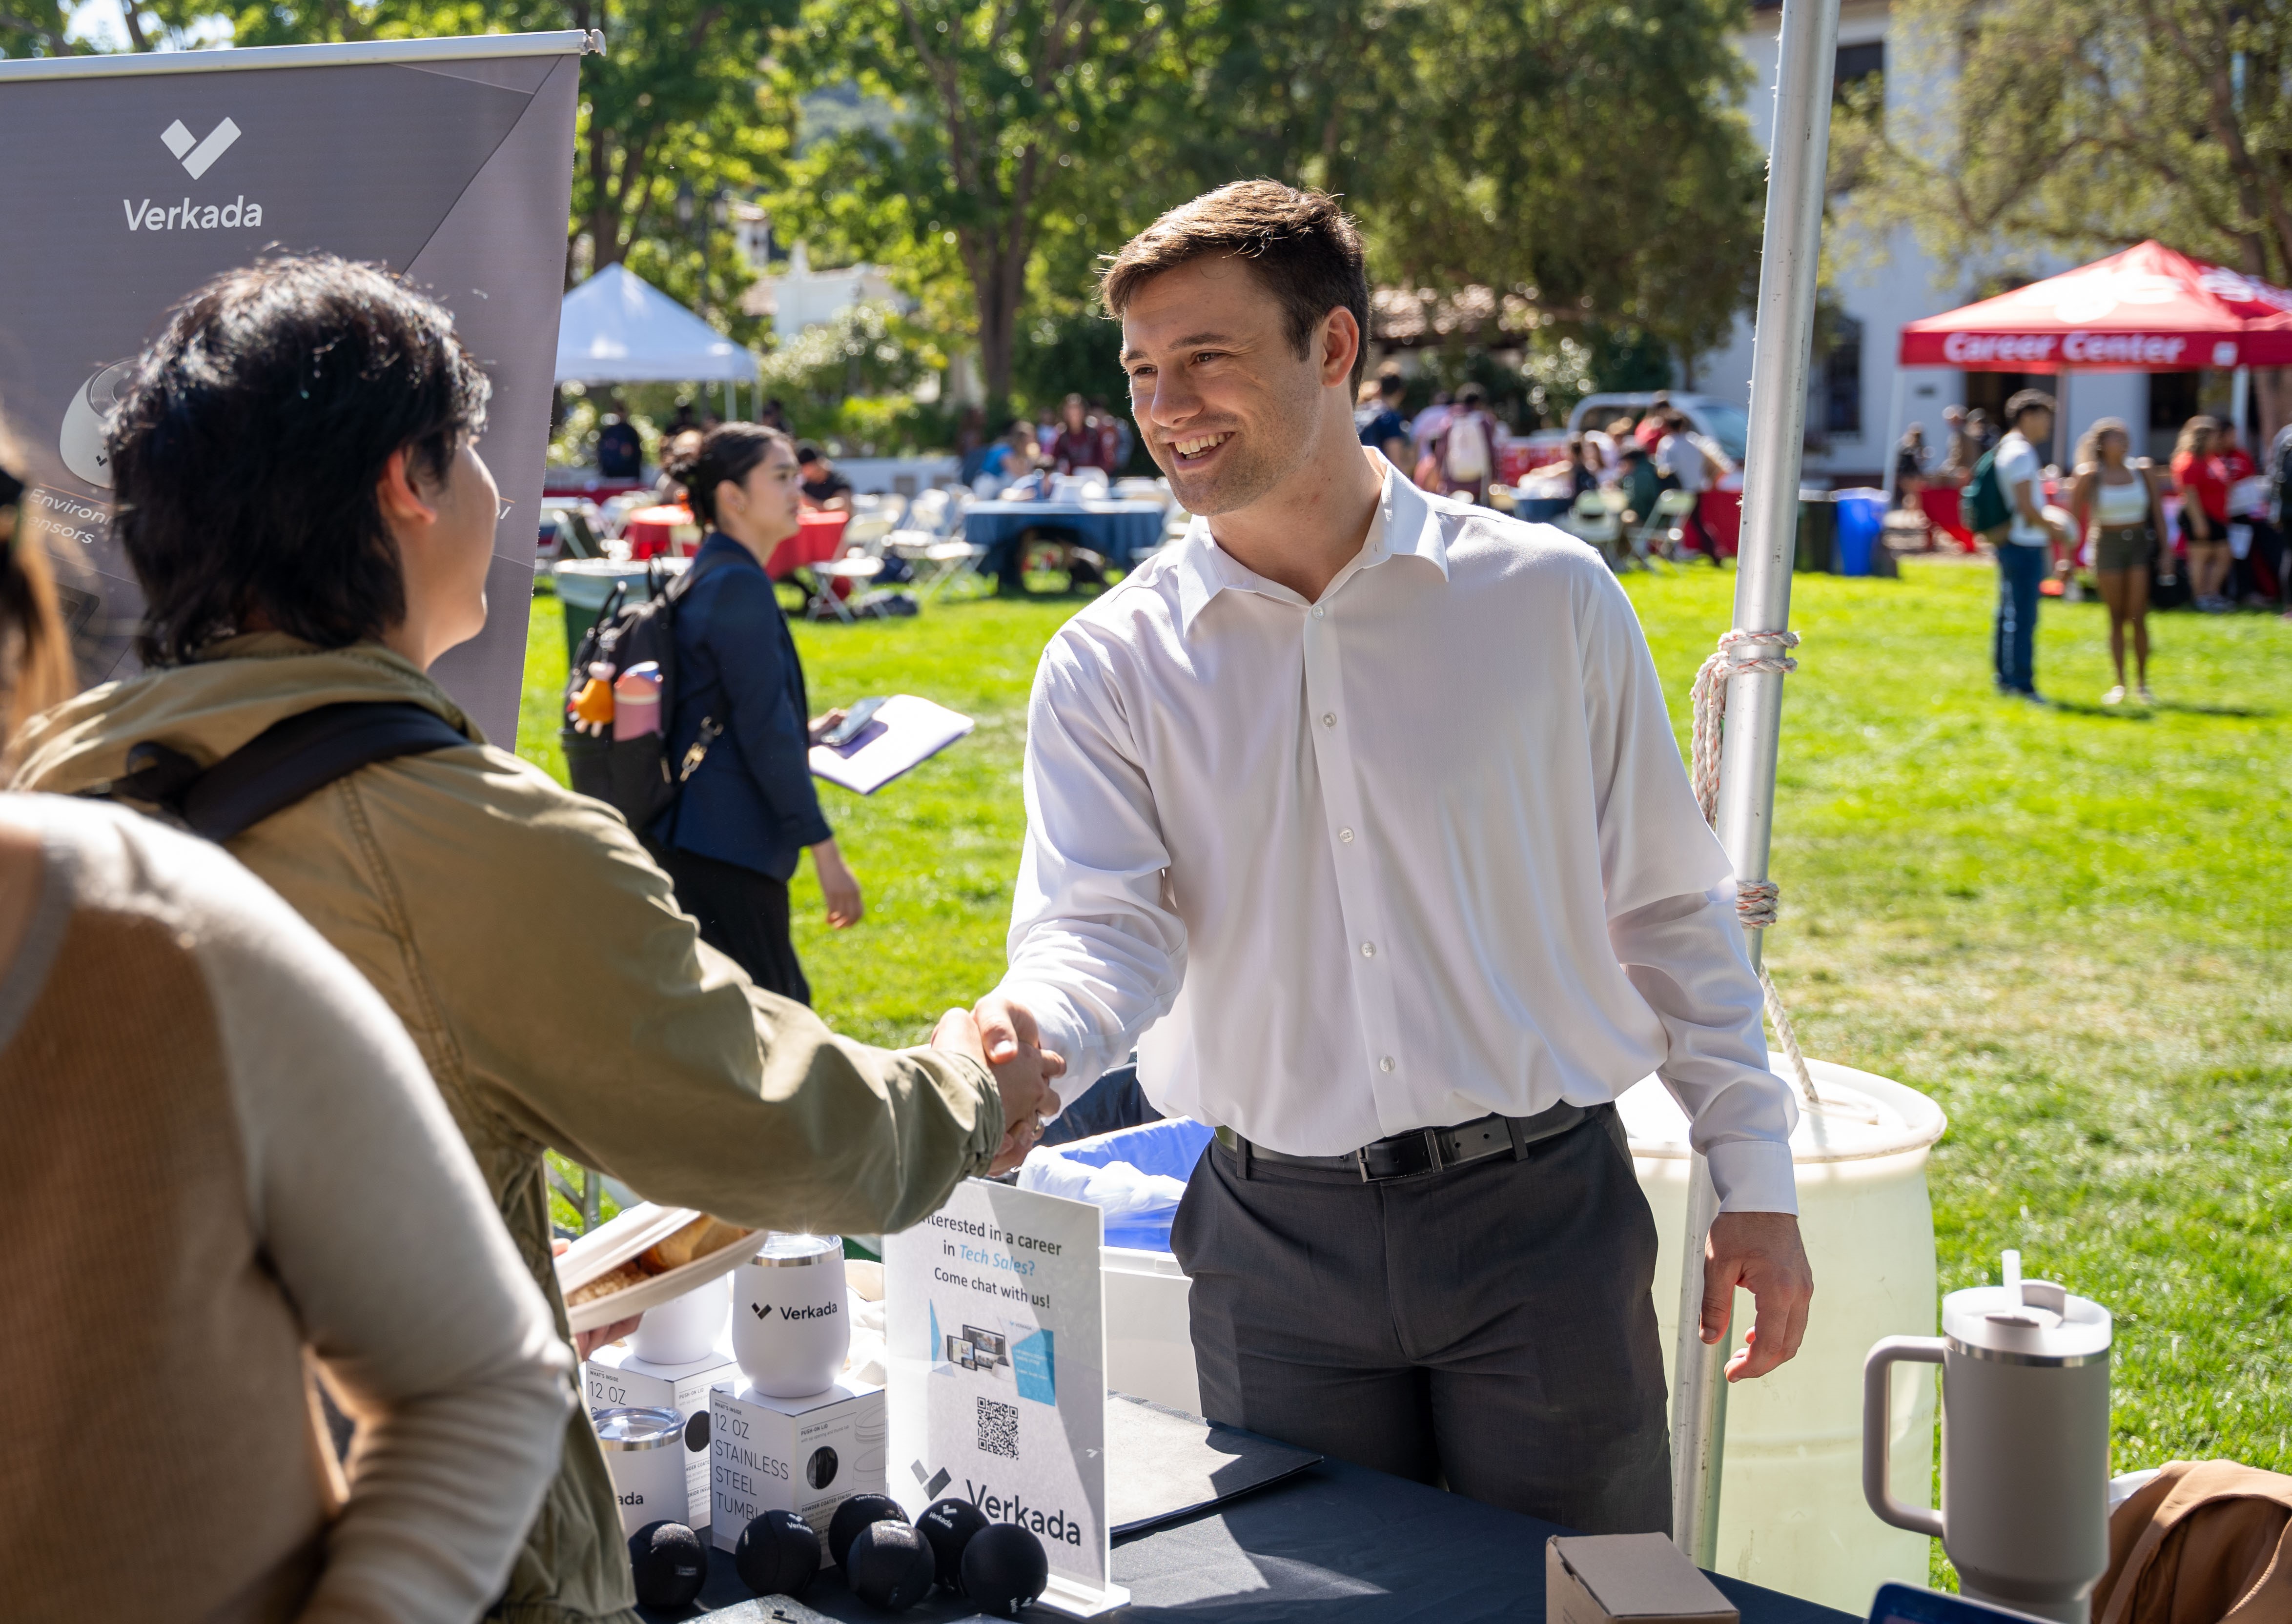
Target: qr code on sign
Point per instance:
(998, 1429)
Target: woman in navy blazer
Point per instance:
(730, 841)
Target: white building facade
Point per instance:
(1861, 401)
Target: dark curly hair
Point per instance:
(726, 451)
(249, 440)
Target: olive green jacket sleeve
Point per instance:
(612, 1033)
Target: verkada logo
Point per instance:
(198, 156)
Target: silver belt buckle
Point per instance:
(1432, 1149)
(1361, 1161)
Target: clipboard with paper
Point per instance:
(904, 731)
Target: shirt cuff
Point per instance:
(1754, 1176)
(1063, 1033)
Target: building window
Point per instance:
(1842, 377)
(1856, 63)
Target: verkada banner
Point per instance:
(137, 178)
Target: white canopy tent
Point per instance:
(618, 328)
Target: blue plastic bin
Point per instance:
(1169, 1147)
(1861, 519)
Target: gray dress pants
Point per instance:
(1489, 1327)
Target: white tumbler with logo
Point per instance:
(791, 1329)
(644, 1452)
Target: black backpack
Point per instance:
(285, 762)
(633, 776)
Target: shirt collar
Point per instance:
(1405, 525)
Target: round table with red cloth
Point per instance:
(651, 532)
(1940, 503)
(819, 537)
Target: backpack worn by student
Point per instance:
(1981, 505)
(1467, 450)
(633, 776)
(285, 763)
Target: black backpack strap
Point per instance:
(283, 764)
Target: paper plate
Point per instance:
(609, 1245)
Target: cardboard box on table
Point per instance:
(1627, 1578)
(614, 1378)
(806, 1455)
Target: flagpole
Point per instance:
(1782, 338)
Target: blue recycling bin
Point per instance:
(1861, 519)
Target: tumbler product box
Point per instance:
(1627, 1578)
(644, 1452)
(615, 1378)
(806, 1455)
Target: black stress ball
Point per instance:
(1005, 1569)
(669, 1563)
(948, 1526)
(891, 1566)
(854, 1515)
(777, 1554)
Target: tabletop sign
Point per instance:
(995, 1315)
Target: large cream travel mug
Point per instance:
(791, 1327)
(2024, 1443)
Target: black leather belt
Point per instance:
(1428, 1150)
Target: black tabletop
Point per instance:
(1333, 1545)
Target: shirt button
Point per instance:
(1321, 613)
(1368, 950)
(1384, 1064)
(1328, 719)
(1346, 835)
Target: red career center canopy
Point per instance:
(2146, 310)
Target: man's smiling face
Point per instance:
(1225, 404)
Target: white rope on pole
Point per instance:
(1757, 901)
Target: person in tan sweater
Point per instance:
(222, 1156)
(300, 495)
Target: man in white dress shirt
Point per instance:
(1358, 811)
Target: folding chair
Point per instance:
(1662, 526)
(1593, 519)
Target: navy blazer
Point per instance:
(751, 801)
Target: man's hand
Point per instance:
(1759, 1251)
(1022, 1081)
(587, 1342)
(820, 724)
(1023, 1070)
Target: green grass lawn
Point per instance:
(2068, 925)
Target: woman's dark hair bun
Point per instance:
(728, 451)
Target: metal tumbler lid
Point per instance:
(2026, 1322)
(637, 1428)
(781, 1249)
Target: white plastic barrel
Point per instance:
(1791, 1514)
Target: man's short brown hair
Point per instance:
(2027, 401)
(1305, 249)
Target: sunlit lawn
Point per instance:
(2068, 925)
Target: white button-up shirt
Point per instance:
(1416, 852)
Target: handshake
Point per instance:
(1002, 1036)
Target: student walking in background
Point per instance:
(1467, 446)
(731, 840)
(2203, 486)
(2024, 542)
(2115, 503)
(1378, 418)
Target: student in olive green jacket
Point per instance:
(298, 491)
